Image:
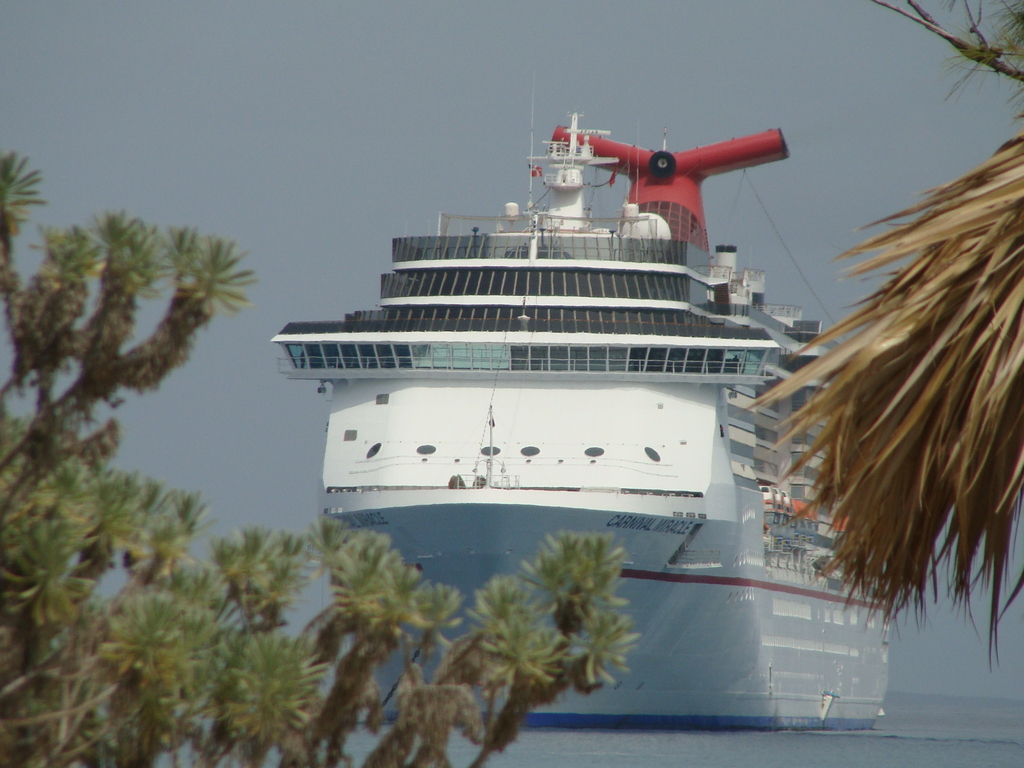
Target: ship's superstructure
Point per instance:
(543, 370)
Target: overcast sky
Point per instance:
(314, 132)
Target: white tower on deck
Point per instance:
(564, 179)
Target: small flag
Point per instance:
(492, 422)
(536, 171)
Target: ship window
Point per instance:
(520, 358)
(714, 361)
(472, 284)
(383, 399)
(350, 435)
(315, 356)
(599, 358)
(297, 354)
(637, 356)
(490, 450)
(695, 360)
(331, 355)
(656, 359)
(594, 451)
(374, 450)
(529, 450)
(532, 284)
(545, 283)
(367, 356)
(577, 358)
(387, 359)
(421, 356)
(634, 287)
(676, 356)
(504, 283)
(752, 365)
(486, 280)
(733, 360)
(538, 358)
(572, 284)
(425, 450)
(403, 355)
(559, 358)
(652, 454)
(461, 358)
(558, 283)
(617, 358)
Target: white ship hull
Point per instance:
(726, 642)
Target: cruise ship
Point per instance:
(544, 370)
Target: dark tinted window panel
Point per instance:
(520, 358)
(349, 355)
(652, 454)
(572, 284)
(298, 355)
(733, 361)
(617, 358)
(332, 357)
(538, 358)
(559, 358)
(385, 356)
(695, 360)
(676, 360)
(529, 450)
(558, 283)
(495, 318)
(374, 450)
(367, 356)
(656, 359)
(637, 358)
(315, 356)
(426, 450)
(594, 452)
(714, 361)
(490, 450)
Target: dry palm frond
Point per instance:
(923, 402)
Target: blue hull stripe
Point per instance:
(691, 722)
(735, 581)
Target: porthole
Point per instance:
(652, 454)
(595, 451)
(374, 450)
(490, 450)
(425, 450)
(530, 450)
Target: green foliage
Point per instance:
(188, 659)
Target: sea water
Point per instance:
(917, 731)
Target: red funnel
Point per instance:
(668, 183)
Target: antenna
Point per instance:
(533, 99)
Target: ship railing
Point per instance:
(753, 275)
(781, 310)
(549, 246)
(513, 482)
(718, 274)
(746, 310)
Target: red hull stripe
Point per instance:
(735, 581)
